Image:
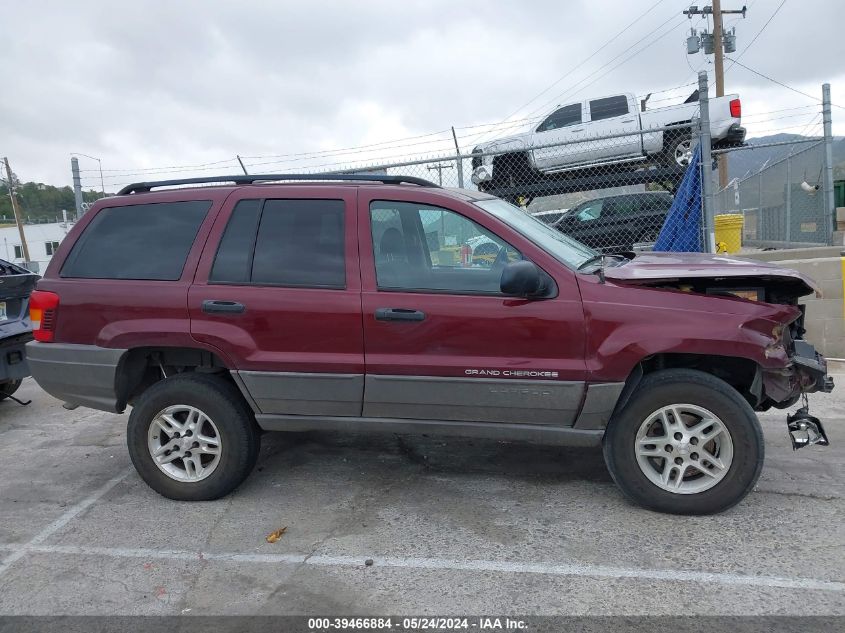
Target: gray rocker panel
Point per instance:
(550, 435)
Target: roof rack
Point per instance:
(240, 179)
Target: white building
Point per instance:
(41, 239)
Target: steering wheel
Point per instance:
(501, 259)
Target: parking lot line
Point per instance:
(63, 520)
(514, 567)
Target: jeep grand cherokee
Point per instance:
(291, 303)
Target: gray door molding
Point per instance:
(538, 402)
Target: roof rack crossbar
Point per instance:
(241, 179)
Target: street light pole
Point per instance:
(100, 163)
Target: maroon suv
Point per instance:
(363, 303)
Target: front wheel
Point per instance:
(685, 443)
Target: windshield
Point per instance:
(568, 251)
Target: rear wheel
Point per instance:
(192, 437)
(8, 388)
(677, 150)
(686, 443)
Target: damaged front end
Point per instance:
(806, 373)
(789, 367)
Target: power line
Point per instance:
(780, 83)
(754, 39)
(577, 66)
(142, 169)
(569, 91)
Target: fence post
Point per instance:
(789, 197)
(708, 220)
(829, 203)
(459, 161)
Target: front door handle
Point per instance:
(580, 129)
(399, 314)
(217, 306)
(627, 120)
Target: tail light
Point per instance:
(736, 108)
(43, 306)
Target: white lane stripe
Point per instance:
(551, 569)
(62, 521)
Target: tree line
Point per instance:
(42, 202)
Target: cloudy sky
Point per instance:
(157, 89)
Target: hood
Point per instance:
(517, 140)
(651, 268)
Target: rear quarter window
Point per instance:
(140, 241)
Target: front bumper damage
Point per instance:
(806, 373)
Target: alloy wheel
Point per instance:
(184, 443)
(684, 449)
(683, 152)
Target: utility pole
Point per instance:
(440, 167)
(16, 210)
(708, 215)
(718, 44)
(719, 68)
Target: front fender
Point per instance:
(626, 325)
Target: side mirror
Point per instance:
(522, 279)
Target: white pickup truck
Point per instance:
(574, 132)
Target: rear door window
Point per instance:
(608, 108)
(298, 243)
(140, 241)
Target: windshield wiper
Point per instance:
(592, 260)
(600, 259)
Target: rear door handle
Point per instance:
(217, 306)
(580, 129)
(399, 314)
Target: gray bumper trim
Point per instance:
(78, 374)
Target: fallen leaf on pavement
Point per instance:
(272, 537)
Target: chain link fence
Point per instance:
(613, 174)
(782, 203)
(612, 192)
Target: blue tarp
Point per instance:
(681, 232)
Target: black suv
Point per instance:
(616, 223)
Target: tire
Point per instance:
(512, 170)
(670, 156)
(9, 388)
(222, 415)
(690, 392)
